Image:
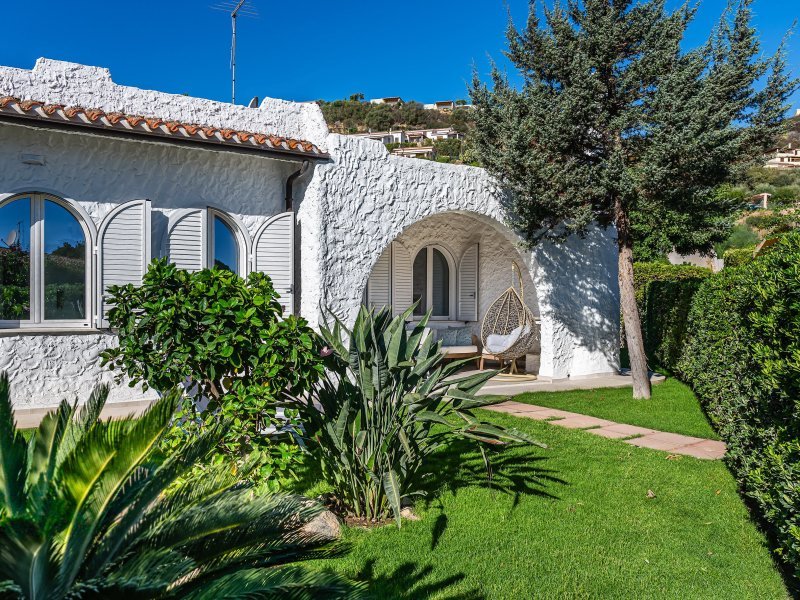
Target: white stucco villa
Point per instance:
(97, 178)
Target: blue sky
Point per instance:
(304, 50)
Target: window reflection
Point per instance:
(431, 283)
(420, 282)
(440, 302)
(226, 249)
(15, 260)
(64, 264)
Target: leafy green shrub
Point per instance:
(742, 236)
(84, 513)
(664, 294)
(785, 196)
(735, 257)
(742, 357)
(227, 336)
(775, 222)
(385, 407)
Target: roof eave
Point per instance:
(277, 153)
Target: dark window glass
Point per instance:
(64, 264)
(226, 250)
(15, 260)
(441, 285)
(420, 282)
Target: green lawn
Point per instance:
(572, 521)
(672, 408)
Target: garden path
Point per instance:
(674, 443)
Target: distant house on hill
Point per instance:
(390, 100)
(442, 105)
(784, 158)
(412, 136)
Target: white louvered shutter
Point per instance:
(402, 295)
(379, 282)
(186, 240)
(468, 285)
(123, 250)
(274, 255)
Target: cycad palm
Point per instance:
(84, 513)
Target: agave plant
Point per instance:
(88, 509)
(386, 404)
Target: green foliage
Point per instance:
(617, 123)
(227, 337)
(449, 149)
(742, 357)
(775, 222)
(735, 257)
(385, 407)
(380, 118)
(773, 178)
(664, 295)
(84, 513)
(742, 236)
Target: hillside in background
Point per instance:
(792, 136)
(355, 115)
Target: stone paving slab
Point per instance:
(607, 432)
(583, 422)
(674, 443)
(511, 407)
(709, 449)
(629, 430)
(547, 413)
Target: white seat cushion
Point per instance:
(497, 344)
(459, 349)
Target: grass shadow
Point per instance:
(408, 582)
(516, 472)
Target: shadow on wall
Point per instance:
(578, 284)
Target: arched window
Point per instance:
(432, 281)
(44, 263)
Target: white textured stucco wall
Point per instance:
(365, 198)
(45, 369)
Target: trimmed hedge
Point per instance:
(664, 294)
(736, 257)
(742, 357)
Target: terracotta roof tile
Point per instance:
(153, 127)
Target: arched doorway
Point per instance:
(452, 264)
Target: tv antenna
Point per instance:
(235, 8)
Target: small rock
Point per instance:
(326, 525)
(407, 513)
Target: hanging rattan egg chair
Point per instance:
(509, 328)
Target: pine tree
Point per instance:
(616, 125)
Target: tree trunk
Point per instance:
(630, 311)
